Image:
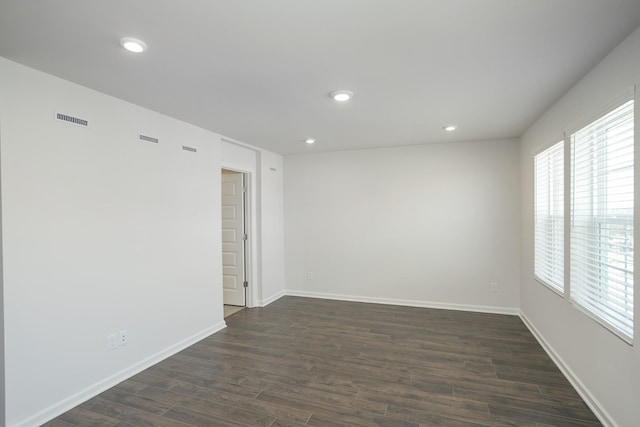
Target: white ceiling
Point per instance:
(260, 71)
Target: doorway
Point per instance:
(235, 238)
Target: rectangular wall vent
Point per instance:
(184, 147)
(70, 119)
(148, 139)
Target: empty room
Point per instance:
(319, 212)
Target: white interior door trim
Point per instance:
(234, 237)
(239, 158)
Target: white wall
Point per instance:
(2, 381)
(427, 225)
(101, 232)
(272, 226)
(604, 368)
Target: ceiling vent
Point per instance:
(70, 119)
(148, 139)
(185, 148)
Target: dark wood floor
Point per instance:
(329, 363)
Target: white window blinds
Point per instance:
(549, 217)
(602, 176)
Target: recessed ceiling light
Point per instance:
(133, 45)
(309, 140)
(450, 128)
(342, 95)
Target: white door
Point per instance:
(233, 240)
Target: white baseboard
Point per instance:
(593, 403)
(408, 303)
(82, 396)
(265, 302)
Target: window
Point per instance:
(549, 217)
(602, 198)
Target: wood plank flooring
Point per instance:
(231, 309)
(315, 362)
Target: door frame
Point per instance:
(240, 157)
(248, 217)
(245, 219)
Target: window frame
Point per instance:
(599, 308)
(556, 149)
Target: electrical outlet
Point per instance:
(112, 341)
(309, 275)
(494, 286)
(122, 337)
